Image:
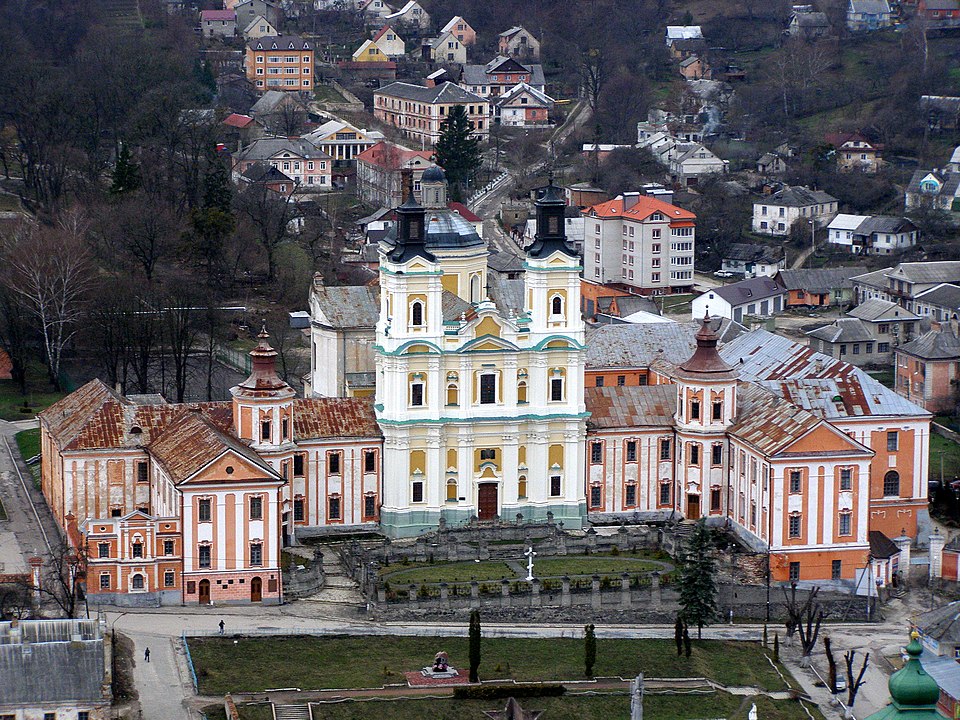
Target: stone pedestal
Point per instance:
(591, 539)
(381, 594)
(474, 595)
(565, 592)
(595, 599)
(655, 589)
(535, 593)
(904, 542)
(412, 596)
(444, 592)
(505, 593)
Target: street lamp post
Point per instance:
(813, 240)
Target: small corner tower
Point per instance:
(263, 403)
(706, 407)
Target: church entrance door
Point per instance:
(693, 507)
(487, 501)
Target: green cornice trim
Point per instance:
(475, 420)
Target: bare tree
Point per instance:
(593, 75)
(61, 579)
(809, 626)
(51, 272)
(180, 336)
(854, 685)
(270, 214)
(831, 666)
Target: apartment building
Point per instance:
(284, 62)
(639, 242)
(420, 112)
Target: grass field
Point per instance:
(28, 442)
(950, 452)
(582, 707)
(14, 405)
(256, 664)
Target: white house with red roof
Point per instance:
(218, 23)
(640, 243)
(389, 42)
(379, 169)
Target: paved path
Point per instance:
(160, 682)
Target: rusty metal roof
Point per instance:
(763, 356)
(192, 441)
(316, 418)
(631, 406)
(767, 422)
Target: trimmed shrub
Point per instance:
(494, 692)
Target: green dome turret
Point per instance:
(913, 692)
(911, 685)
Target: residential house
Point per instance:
(192, 504)
(262, 174)
(281, 113)
(682, 32)
(419, 112)
(940, 303)
(868, 15)
(775, 214)
(461, 30)
(583, 195)
(752, 260)
(807, 24)
(935, 189)
(284, 62)
(56, 669)
(904, 283)
(518, 43)
(259, 27)
(757, 297)
(218, 23)
(411, 15)
(939, 13)
(853, 150)
(683, 48)
(390, 43)
(238, 130)
(500, 75)
(370, 52)
(939, 633)
(342, 141)
(374, 12)
(872, 235)
(524, 106)
(249, 10)
(379, 170)
(639, 243)
(695, 67)
(311, 169)
(771, 163)
(849, 339)
(446, 49)
(689, 162)
(928, 369)
(823, 287)
(891, 324)
(942, 112)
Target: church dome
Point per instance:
(912, 686)
(433, 174)
(446, 230)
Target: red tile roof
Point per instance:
(237, 120)
(641, 210)
(315, 418)
(463, 211)
(218, 15)
(390, 156)
(381, 32)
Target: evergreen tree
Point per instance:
(214, 221)
(698, 582)
(678, 634)
(458, 151)
(474, 646)
(126, 173)
(589, 650)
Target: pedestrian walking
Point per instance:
(221, 627)
(146, 654)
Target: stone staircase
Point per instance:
(340, 596)
(292, 712)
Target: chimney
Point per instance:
(630, 199)
(406, 185)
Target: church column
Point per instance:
(435, 489)
(465, 485)
(511, 460)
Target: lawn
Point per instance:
(257, 664)
(29, 443)
(590, 565)
(582, 707)
(675, 304)
(16, 406)
(949, 451)
(446, 572)
(884, 377)
(326, 93)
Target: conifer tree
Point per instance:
(589, 650)
(698, 583)
(458, 151)
(474, 646)
(126, 173)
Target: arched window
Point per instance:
(556, 305)
(891, 484)
(416, 314)
(522, 392)
(475, 289)
(451, 490)
(453, 394)
(522, 486)
(416, 393)
(138, 582)
(138, 549)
